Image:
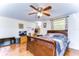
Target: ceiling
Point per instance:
(20, 10)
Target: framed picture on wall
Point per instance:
(44, 25)
(21, 26)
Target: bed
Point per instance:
(54, 43)
(61, 38)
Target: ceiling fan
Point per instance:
(41, 11)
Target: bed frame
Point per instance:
(40, 47)
(65, 32)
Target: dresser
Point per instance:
(23, 39)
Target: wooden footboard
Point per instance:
(41, 47)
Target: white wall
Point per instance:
(73, 30)
(9, 27)
(43, 30)
(48, 27)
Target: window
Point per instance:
(59, 24)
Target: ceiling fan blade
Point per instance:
(32, 13)
(47, 14)
(48, 7)
(33, 7)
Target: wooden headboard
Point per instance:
(65, 32)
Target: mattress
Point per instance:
(62, 42)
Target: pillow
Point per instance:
(56, 35)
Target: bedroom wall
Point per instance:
(73, 30)
(9, 27)
(43, 30)
(48, 27)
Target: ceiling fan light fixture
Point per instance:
(40, 11)
(39, 14)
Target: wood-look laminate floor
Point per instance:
(15, 50)
(20, 50)
(72, 52)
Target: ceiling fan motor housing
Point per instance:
(40, 9)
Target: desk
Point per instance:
(8, 39)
